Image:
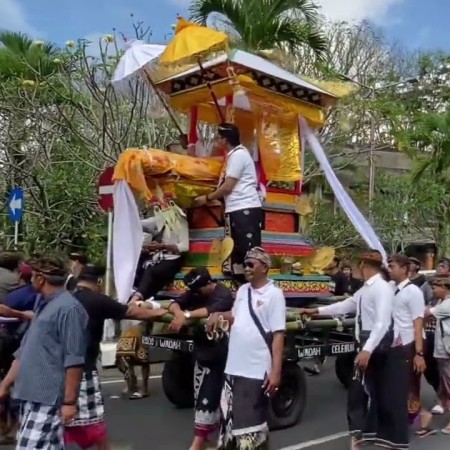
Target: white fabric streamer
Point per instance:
(128, 237)
(360, 223)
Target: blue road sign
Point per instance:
(15, 204)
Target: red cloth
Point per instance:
(86, 436)
(193, 136)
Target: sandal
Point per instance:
(426, 431)
(135, 396)
(445, 430)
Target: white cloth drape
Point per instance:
(360, 223)
(128, 237)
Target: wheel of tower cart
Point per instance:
(288, 404)
(177, 380)
(343, 367)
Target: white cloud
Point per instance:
(13, 18)
(357, 10)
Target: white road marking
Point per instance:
(314, 442)
(121, 380)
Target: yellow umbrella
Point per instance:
(192, 42)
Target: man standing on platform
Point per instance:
(238, 187)
(381, 415)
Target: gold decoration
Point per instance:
(287, 286)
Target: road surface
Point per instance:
(153, 423)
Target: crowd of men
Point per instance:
(53, 376)
(401, 334)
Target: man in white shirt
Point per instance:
(373, 306)
(409, 310)
(255, 356)
(238, 187)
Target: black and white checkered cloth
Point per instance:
(90, 401)
(41, 427)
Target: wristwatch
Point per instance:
(419, 354)
(187, 314)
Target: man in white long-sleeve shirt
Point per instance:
(373, 306)
(409, 310)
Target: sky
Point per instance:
(415, 23)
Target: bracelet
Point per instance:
(70, 403)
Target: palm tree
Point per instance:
(265, 25)
(25, 59)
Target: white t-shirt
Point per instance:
(248, 354)
(409, 305)
(241, 166)
(442, 313)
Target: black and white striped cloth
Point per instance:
(90, 401)
(41, 427)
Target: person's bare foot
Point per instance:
(355, 444)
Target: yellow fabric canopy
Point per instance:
(279, 146)
(191, 42)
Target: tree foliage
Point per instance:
(59, 130)
(260, 25)
(407, 211)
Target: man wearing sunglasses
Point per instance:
(238, 187)
(255, 355)
(47, 369)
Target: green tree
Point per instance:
(328, 226)
(261, 25)
(22, 59)
(408, 211)
(67, 128)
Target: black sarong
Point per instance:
(245, 228)
(386, 382)
(208, 381)
(244, 408)
(431, 372)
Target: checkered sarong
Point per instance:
(90, 401)
(41, 427)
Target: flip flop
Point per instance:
(445, 431)
(135, 396)
(424, 432)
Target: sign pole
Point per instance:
(108, 281)
(16, 234)
(106, 203)
(109, 327)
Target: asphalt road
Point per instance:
(154, 423)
